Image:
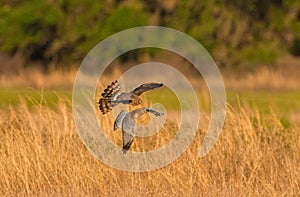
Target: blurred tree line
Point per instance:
(62, 32)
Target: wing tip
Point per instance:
(124, 150)
(127, 146)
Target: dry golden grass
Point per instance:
(42, 155)
(283, 75)
(264, 78)
(37, 79)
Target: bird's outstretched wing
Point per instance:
(128, 131)
(119, 120)
(146, 87)
(129, 124)
(156, 113)
(127, 138)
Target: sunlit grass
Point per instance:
(256, 154)
(42, 155)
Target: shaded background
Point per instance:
(57, 34)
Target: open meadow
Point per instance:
(254, 44)
(257, 154)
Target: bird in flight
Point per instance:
(113, 95)
(126, 121)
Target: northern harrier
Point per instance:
(112, 95)
(126, 121)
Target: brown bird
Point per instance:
(126, 121)
(112, 95)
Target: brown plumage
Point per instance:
(112, 95)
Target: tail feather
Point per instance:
(106, 105)
(111, 89)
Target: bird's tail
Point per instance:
(106, 104)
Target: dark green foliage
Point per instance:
(122, 18)
(295, 48)
(28, 25)
(236, 32)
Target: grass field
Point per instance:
(257, 153)
(283, 102)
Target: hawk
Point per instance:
(112, 95)
(126, 121)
